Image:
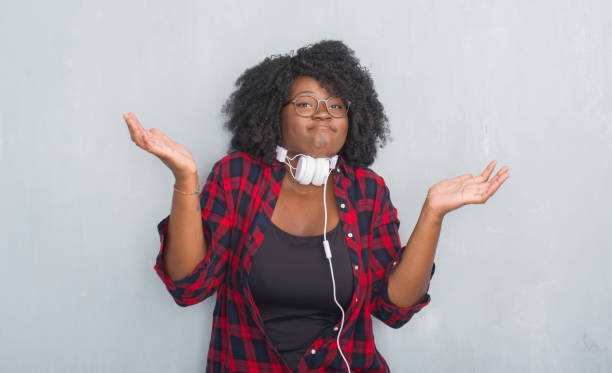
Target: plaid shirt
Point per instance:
(237, 203)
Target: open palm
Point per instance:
(171, 153)
(450, 194)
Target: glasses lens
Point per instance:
(337, 107)
(305, 105)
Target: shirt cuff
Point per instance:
(172, 286)
(403, 311)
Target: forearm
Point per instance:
(185, 244)
(409, 279)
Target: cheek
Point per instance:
(293, 124)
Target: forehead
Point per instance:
(308, 84)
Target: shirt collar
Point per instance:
(341, 164)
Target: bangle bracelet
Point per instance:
(187, 194)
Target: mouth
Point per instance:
(321, 126)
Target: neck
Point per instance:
(292, 154)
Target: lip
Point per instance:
(321, 126)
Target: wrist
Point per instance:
(187, 182)
(429, 212)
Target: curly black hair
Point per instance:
(255, 106)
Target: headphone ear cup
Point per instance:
(281, 153)
(305, 169)
(332, 161)
(322, 168)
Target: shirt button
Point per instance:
(394, 263)
(335, 328)
(337, 170)
(356, 299)
(313, 351)
(350, 235)
(342, 205)
(356, 268)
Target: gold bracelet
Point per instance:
(187, 194)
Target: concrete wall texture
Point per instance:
(522, 283)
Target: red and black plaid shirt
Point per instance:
(237, 203)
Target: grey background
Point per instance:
(522, 282)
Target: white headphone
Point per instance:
(315, 171)
(309, 170)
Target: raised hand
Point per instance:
(450, 194)
(174, 155)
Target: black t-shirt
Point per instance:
(292, 287)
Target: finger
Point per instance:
(132, 120)
(484, 176)
(137, 132)
(495, 184)
(132, 127)
(500, 174)
(144, 136)
(486, 190)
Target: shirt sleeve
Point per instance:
(206, 277)
(386, 252)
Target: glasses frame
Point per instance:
(294, 100)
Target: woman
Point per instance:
(285, 301)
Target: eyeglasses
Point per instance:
(307, 106)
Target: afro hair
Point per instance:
(254, 108)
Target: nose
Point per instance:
(322, 113)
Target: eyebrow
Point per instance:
(300, 92)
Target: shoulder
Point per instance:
(367, 173)
(234, 172)
(371, 194)
(372, 182)
(236, 163)
(238, 169)
(238, 157)
(368, 188)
